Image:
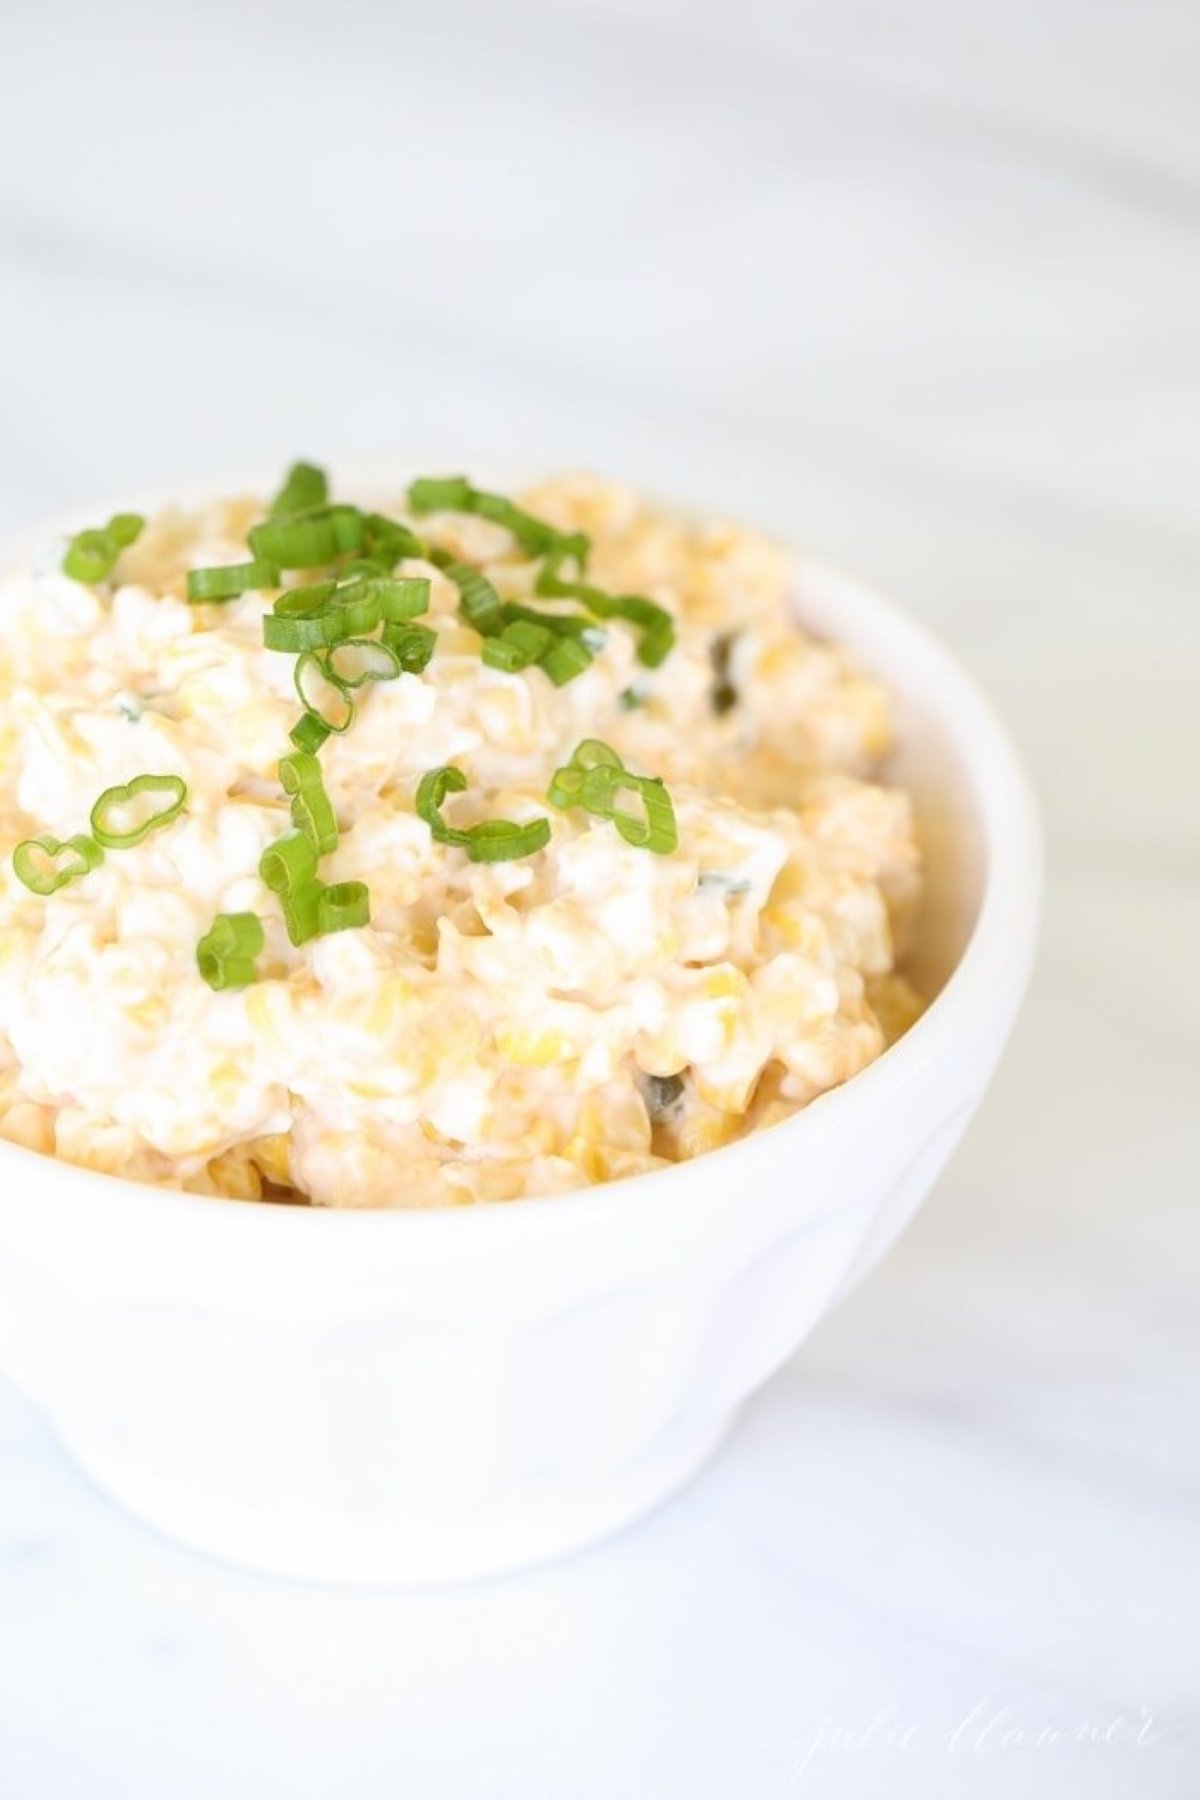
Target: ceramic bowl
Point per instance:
(420, 1397)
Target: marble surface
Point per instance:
(921, 281)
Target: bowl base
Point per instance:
(400, 1550)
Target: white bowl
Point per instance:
(422, 1397)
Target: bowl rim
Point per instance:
(1001, 941)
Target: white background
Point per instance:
(920, 282)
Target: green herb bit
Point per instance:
(517, 646)
(655, 622)
(321, 694)
(593, 779)
(46, 864)
(225, 954)
(123, 816)
(495, 840)
(230, 581)
(413, 644)
(91, 555)
(309, 733)
(308, 540)
(305, 486)
(289, 869)
(386, 541)
(289, 864)
(312, 811)
(355, 662)
(345, 906)
(454, 493)
(478, 600)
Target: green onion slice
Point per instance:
(126, 529)
(518, 645)
(302, 912)
(124, 815)
(308, 540)
(402, 598)
(309, 733)
(312, 811)
(495, 840)
(359, 660)
(413, 644)
(655, 622)
(299, 620)
(593, 779)
(354, 611)
(229, 582)
(386, 541)
(225, 954)
(345, 906)
(305, 487)
(92, 555)
(566, 658)
(289, 869)
(322, 694)
(503, 840)
(478, 600)
(46, 864)
(454, 493)
(289, 864)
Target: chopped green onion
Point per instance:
(593, 779)
(120, 820)
(309, 733)
(402, 599)
(228, 582)
(517, 646)
(562, 624)
(656, 624)
(565, 659)
(454, 493)
(431, 792)
(299, 620)
(440, 493)
(312, 812)
(332, 612)
(46, 864)
(503, 840)
(343, 907)
(478, 600)
(225, 954)
(413, 645)
(354, 611)
(594, 753)
(656, 830)
(126, 528)
(386, 541)
(495, 840)
(356, 661)
(305, 487)
(302, 912)
(309, 539)
(289, 869)
(307, 602)
(92, 555)
(293, 635)
(322, 694)
(289, 864)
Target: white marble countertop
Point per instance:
(923, 281)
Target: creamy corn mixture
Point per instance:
(588, 1011)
